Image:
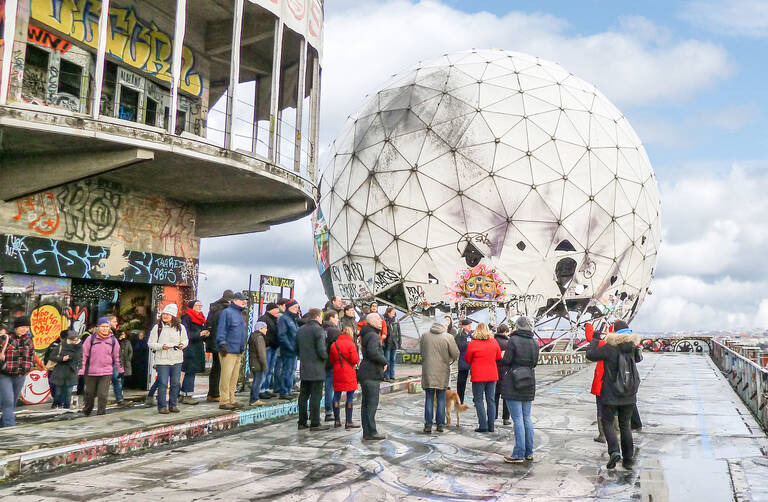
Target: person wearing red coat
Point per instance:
(482, 353)
(597, 380)
(344, 358)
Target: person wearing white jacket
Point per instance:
(168, 339)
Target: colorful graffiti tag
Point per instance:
(138, 43)
(46, 325)
(39, 211)
(36, 389)
(479, 283)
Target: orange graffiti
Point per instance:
(40, 211)
(46, 325)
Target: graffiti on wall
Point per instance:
(46, 324)
(39, 211)
(140, 44)
(45, 256)
(95, 210)
(44, 38)
(36, 389)
(479, 283)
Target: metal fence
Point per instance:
(748, 379)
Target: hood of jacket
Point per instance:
(523, 332)
(437, 328)
(501, 336)
(624, 340)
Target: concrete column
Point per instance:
(9, 36)
(274, 129)
(234, 73)
(300, 104)
(314, 119)
(178, 44)
(101, 52)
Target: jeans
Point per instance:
(607, 412)
(521, 416)
(63, 396)
(166, 372)
(504, 407)
(214, 376)
(287, 374)
(337, 396)
(328, 392)
(188, 383)
(117, 385)
(390, 355)
(310, 393)
(271, 358)
(461, 384)
(153, 388)
(10, 388)
(96, 387)
(489, 390)
(370, 403)
(429, 406)
(258, 376)
(636, 423)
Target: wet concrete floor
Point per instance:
(699, 443)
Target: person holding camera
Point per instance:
(168, 339)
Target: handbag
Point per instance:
(522, 378)
(52, 364)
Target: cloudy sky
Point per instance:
(689, 75)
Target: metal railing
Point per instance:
(748, 379)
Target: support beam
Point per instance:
(101, 50)
(314, 119)
(277, 55)
(9, 36)
(178, 45)
(218, 41)
(26, 174)
(234, 73)
(300, 104)
(214, 220)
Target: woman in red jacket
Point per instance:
(597, 379)
(344, 358)
(482, 353)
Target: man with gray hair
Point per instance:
(370, 374)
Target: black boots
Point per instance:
(349, 424)
(336, 415)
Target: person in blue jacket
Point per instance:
(287, 327)
(231, 339)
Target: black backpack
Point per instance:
(627, 378)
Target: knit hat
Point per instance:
(259, 325)
(291, 303)
(72, 334)
(171, 309)
(524, 323)
(374, 320)
(465, 322)
(271, 306)
(227, 294)
(21, 321)
(102, 320)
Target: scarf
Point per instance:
(196, 317)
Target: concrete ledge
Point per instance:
(60, 448)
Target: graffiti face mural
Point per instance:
(36, 388)
(478, 283)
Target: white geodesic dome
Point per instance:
(490, 176)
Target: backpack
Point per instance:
(627, 378)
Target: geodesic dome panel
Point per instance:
(490, 176)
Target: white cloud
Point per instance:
(639, 64)
(747, 18)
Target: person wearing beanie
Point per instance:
(214, 311)
(64, 375)
(518, 386)
(287, 328)
(194, 354)
(257, 360)
(101, 357)
(438, 351)
(270, 318)
(231, 339)
(370, 374)
(312, 352)
(17, 355)
(462, 342)
(332, 331)
(168, 339)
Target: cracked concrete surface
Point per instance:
(698, 443)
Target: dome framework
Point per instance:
(490, 177)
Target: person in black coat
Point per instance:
(463, 338)
(370, 374)
(392, 342)
(312, 352)
(518, 386)
(270, 319)
(502, 338)
(215, 310)
(194, 353)
(621, 343)
(332, 332)
(68, 358)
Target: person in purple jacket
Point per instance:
(101, 355)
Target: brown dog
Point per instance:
(452, 402)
